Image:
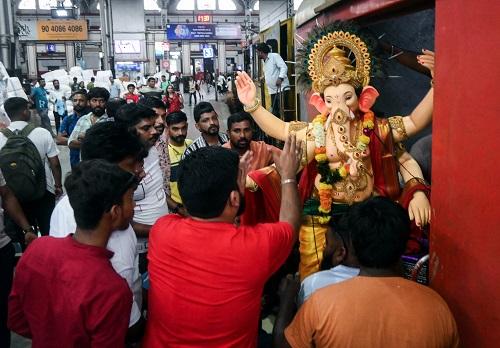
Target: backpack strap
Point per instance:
(7, 132)
(28, 129)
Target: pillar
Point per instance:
(186, 57)
(221, 56)
(465, 230)
(70, 55)
(31, 60)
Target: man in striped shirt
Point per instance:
(207, 122)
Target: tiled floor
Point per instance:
(221, 109)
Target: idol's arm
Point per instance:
(419, 208)
(421, 116)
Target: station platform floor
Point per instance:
(222, 110)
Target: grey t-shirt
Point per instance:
(4, 239)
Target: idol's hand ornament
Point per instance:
(419, 209)
(246, 89)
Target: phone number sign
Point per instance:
(62, 30)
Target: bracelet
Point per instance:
(252, 108)
(288, 181)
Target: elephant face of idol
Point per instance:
(341, 97)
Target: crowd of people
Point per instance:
(163, 241)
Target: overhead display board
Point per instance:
(203, 31)
(62, 30)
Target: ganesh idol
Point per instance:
(349, 154)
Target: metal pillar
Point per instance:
(6, 34)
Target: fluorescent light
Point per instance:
(62, 13)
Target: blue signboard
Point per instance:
(203, 31)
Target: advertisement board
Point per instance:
(203, 31)
(62, 30)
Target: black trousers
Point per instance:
(7, 262)
(57, 119)
(195, 98)
(37, 212)
(275, 100)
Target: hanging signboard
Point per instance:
(62, 30)
(203, 31)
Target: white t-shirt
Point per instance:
(324, 278)
(149, 197)
(44, 144)
(123, 244)
(4, 239)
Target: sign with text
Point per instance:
(62, 30)
(203, 31)
(203, 18)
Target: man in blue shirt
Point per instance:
(80, 104)
(39, 97)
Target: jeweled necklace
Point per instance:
(331, 176)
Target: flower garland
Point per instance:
(328, 176)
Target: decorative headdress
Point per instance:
(336, 54)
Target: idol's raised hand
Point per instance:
(427, 59)
(246, 89)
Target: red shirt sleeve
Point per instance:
(279, 238)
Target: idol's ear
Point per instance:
(367, 98)
(318, 103)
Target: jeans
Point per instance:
(44, 117)
(7, 262)
(57, 119)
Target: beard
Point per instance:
(98, 111)
(241, 144)
(326, 263)
(78, 108)
(213, 130)
(179, 139)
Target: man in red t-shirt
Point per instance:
(206, 273)
(85, 303)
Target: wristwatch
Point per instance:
(29, 230)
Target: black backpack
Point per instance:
(22, 166)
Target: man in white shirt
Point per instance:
(56, 98)
(150, 198)
(37, 211)
(339, 262)
(115, 144)
(275, 73)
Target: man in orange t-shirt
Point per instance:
(240, 132)
(377, 308)
(206, 273)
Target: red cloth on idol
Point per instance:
(67, 294)
(207, 280)
(264, 204)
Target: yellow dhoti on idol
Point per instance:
(312, 238)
